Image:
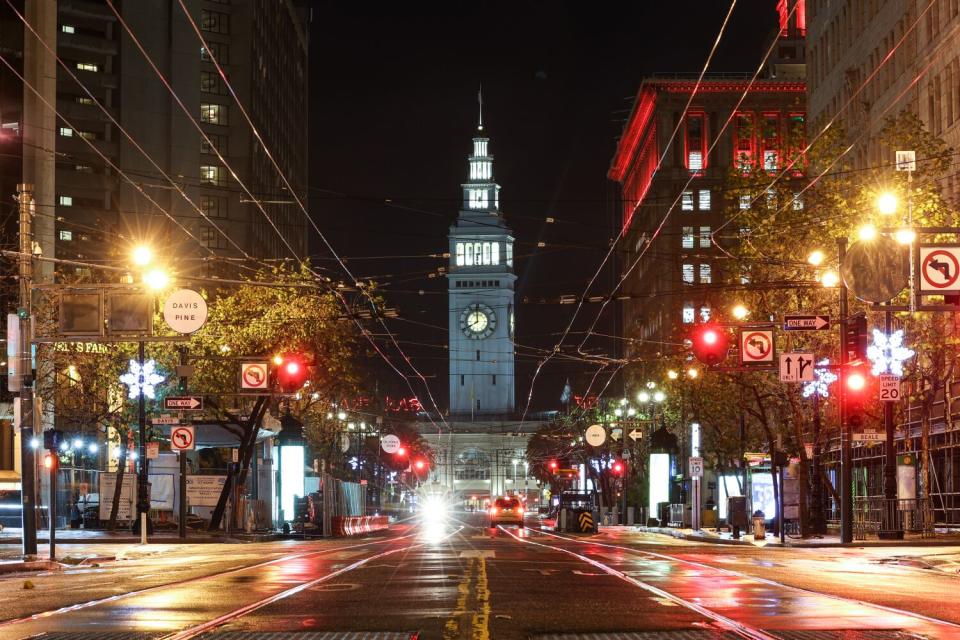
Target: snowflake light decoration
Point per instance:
(142, 381)
(887, 353)
(822, 379)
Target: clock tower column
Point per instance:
(480, 284)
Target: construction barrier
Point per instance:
(354, 525)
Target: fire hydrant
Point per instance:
(759, 525)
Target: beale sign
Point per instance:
(185, 311)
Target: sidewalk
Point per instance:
(941, 538)
(99, 536)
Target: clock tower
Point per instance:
(480, 286)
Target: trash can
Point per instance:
(759, 525)
(737, 515)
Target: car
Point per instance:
(506, 511)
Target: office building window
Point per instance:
(210, 82)
(213, 206)
(213, 113)
(68, 28)
(686, 240)
(213, 175)
(704, 196)
(696, 142)
(87, 66)
(705, 276)
(686, 201)
(212, 238)
(65, 201)
(743, 142)
(214, 22)
(66, 132)
(689, 313)
(705, 240)
(687, 270)
(65, 235)
(704, 314)
(218, 51)
(219, 143)
(771, 142)
(83, 100)
(745, 202)
(797, 202)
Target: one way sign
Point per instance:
(806, 323)
(796, 367)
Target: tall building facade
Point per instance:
(262, 46)
(911, 48)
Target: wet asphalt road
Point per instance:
(458, 579)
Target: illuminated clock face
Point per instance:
(478, 321)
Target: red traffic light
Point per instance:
(553, 465)
(710, 344)
(291, 372)
(617, 468)
(401, 452)
(856, 381)
(419, 465)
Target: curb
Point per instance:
(152, 540)
(24, 566)
(706, 539)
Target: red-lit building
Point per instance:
(673, 281)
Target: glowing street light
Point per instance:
(672, 374)
(887, 204)
(692, 373)
(142, 255)
(659, 396)
(830, 279)
(905, 236)
(156, 279)
(740, 312)
(643, 396)
(816, 258)
(867, 232)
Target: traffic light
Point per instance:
(291, 372)
(553, 465)
(420, 466)
(401, 452)
(855, 338)
(710, 344)
(618, 467)
(856, 393)
(52, 439)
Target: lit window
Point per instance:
(770, 160)
(509, 255)
(744, 202)
(478, 199)
(705, 237)
(494, 253)
(218, 51)
(686, 241)
(689, 313)
(486, 253)
(705, 276)
(771, 199)
(83, 168)
(704, 196)
(212, 174)
(213, 113)
(87, 135)
(696, 142)
(704, 314)
(65, 235)
(66, 132)
(87, 66)
(695, 161)
(84, 100)
(687, 273)
(460, 258)
(686, 201)
(65, 201)
(771, 141)
(67, 28)
(743, 143)
(797, 202)
(468, 254)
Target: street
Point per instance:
(458, 579)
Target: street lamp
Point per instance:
(867, 232)
(659, 396)
(692, 373)
(887, 204)
(905, 236)
(156, 279)
(740, 312)
(672, 374)
(816, 258)
(830, 279)
(142, 255)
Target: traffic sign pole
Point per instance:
(890, 528)
(846, 451)
(182, 459)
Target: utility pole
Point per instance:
(890, 528)
(182, 524)
(143, 487)
(846, 453)
(28, 465)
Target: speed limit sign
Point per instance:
(889, 388)
(696, 467)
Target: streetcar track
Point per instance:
(739, 628)
(767, 581)
(128, 594)
(192, 632)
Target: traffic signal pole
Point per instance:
(890, 517)
(846, 453)
(28, 464)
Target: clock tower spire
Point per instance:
(480, 284)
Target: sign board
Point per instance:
(185, 311)
(635, 435)
(806, 323)
(390, 444)
(182, 439)
(165, 420)
(889, 387)
(756, 346)
(696, 467)
(183, 403)
(204, 491)
(796, 367)
(253, 375)
(153, 450)
(906, 160)
(869, 436)
(596, 435)
(128, 495)
(939, 269)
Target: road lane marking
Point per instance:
(480, 621)
(478, 553)
(451, 630)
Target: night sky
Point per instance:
(393, 109)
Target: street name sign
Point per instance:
(806, 323)
(185, 311)
(182, 439)
(869, 436)
(939, 268)
(183, 403)
(796, 367)
(596, 435)
(253, 375)
(889, 387)
(166, 420)
(696, 467)
(756, 346)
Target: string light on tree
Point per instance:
(142, 381)
(887, 353)
(822, 379)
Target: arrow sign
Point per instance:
(796, 367)
(183, 403)
(635, 435)
(806, 323)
